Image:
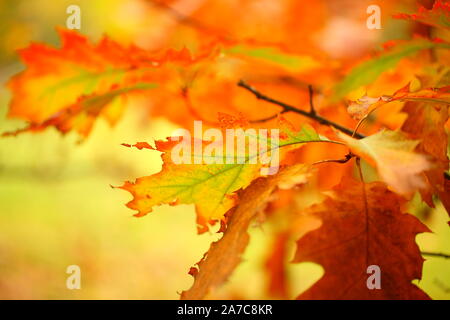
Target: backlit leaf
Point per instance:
(211, 187)
(438, 16)
(369, 71)
(361, 229)
(394, 156)
(68, 88)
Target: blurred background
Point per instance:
(56, 204)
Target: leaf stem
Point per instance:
(346, 158)
(436, 254)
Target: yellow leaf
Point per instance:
(212, 187)
(397, 163)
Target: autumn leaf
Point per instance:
(427, 123)
(438, 16)
(272, 55)
(68, 88)
(361, 229)
(212, 186)
(306, 62)
(275, 265)
(394, 156)
(365, 105)
(224, 255)
(360, 108)
(368, 71)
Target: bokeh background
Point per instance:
(56, 204)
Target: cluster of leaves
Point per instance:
(358, 223)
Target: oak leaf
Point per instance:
(212, 186)
(394, 156)
(438, 16)
(275, 265)
(69, 87)
(225, 254)
(360, 229)
(365, 105)
(427, 123)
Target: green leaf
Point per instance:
(290, 62)
(369, 71)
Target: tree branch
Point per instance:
(288, 108)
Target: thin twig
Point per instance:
(311, 102)
(286, 108)
(436, 254)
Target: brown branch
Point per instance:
(311, 103)
(288, 108)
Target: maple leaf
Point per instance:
(68, 88)
(225, 254)
(397, 163)
(210, 186)
(360, 229)
(438, 16)
(368, 71)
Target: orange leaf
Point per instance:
(427, 123)
(394, 156)
(438, 16)
(365, 105)
(68, 88)
(275, 265)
